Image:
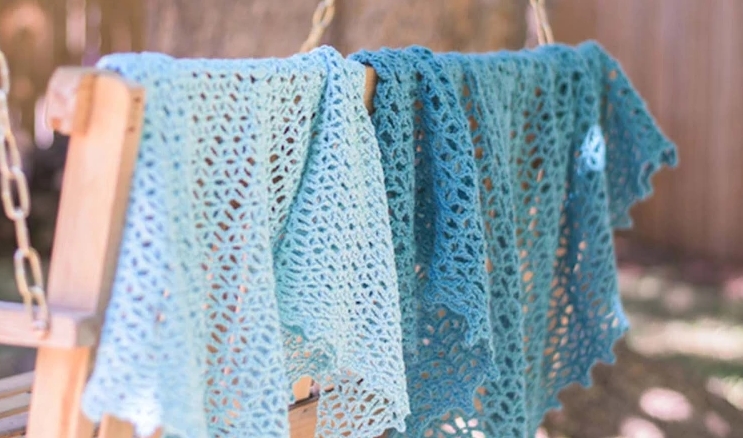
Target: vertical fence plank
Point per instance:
(725, 144)
(686, 59)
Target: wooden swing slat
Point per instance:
(17, 384)
(303, 419)
(13, 426)
(15, 395)
(15, 404)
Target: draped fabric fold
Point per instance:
(506, 174)
(255, 252)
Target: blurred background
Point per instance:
(680, 370)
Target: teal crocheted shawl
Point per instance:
(255, 251)
(506, 174)
(446, 266)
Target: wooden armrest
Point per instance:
(68, 328)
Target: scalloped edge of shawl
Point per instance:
(663, 157)
(379, 430)
(607, 357)
(334, 368)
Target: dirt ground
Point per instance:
(679, 372)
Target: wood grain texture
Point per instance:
(302, 419)
(99, 167)
(686, 59)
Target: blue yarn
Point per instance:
(255, 251)
(506, 174)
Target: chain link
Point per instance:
(321, 19)
(16, 201)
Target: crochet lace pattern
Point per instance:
(506, 174)
(255, 251)
(275, 231)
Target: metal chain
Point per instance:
(16, 200)
(544, 30)
(321, 19)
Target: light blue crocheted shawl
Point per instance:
(506, 174)
(260, 246)
(256, 251)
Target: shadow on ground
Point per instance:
(679, 372)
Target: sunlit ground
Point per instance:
(680, 372)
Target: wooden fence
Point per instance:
(686, 58)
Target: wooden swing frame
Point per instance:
(103, 115)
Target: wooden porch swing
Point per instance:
(103, 115)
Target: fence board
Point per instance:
(686, 58)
